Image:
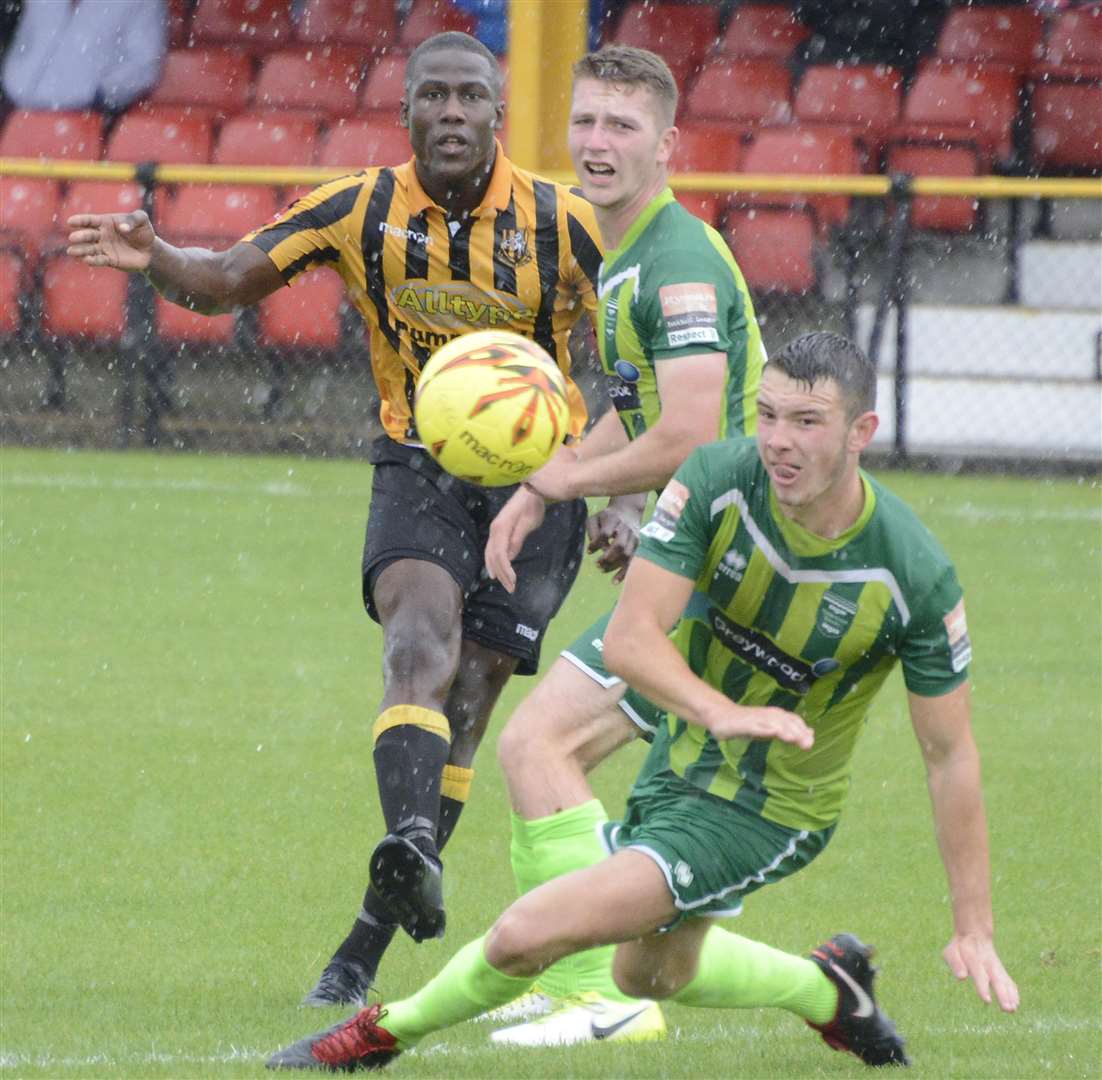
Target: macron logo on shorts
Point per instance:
(527, 632)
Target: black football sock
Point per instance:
(411, 750)
(455, 787)
(371, 934)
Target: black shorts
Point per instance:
(418, 511)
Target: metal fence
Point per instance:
(979, 299)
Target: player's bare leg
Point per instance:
(562, 730)
(416, 676)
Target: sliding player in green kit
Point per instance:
(799, 583)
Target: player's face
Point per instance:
(808, 444)
(618, 143)
(452, 112)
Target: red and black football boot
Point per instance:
(859, 1026)
(359, 1043)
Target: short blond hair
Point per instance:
(630, 66)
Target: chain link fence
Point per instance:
(983, 314)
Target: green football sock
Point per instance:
(736, 973)
(466, 986)
(547, 848)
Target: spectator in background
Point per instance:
(9, 18)
(493, 22)
(85, 54)
(895, 32)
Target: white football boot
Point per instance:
(526, 1007)
(588, 1017)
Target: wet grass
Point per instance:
(188, 683)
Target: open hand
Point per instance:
(614, 532)
(973, 956)
(122, 241)
(760, 722)
(521, 515)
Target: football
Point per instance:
(491, 407)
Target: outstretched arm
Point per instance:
(210, 282)
(637, 648)
(944, 730)
(691, 390)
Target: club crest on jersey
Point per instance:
(513, 247)
(836, 613)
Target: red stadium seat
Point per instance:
(803, 152)
(267, 139)
(13, 284)
(998, 35)
(428, 17)
(53, 135)
(213, 81)
(682, 34)
(358, 144)
(29, 213)
(1073, 49)
(322, 79)
(943, 213)
(369, 24)
(863, 100)
(749, 92)
(83, 302)
(306, 315)
(959, 103)
(99, 197)
(707, 146)
(178, 325)
(774, 248)
(217, 212)
(258, 25)
(762, 32)
(164, 133)
(385, 84)
(1067, 126)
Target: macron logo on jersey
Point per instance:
(406, 234)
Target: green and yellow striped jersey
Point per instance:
(782, 617)
(671, 289)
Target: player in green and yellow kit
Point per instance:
(682, 350)
(796, 583)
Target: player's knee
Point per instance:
(517, 742)
(416, 654)
(513, 944)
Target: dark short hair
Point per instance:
(455, 39)
(630, 66)
(823, 355)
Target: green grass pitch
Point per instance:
(188, 686)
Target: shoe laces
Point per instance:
(589, 1000)
(355, 1039)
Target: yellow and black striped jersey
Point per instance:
(525, 260)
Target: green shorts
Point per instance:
(711, 852)
(586, 654)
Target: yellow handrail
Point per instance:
(980, 187)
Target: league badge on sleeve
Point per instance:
(956, 629)
(690, 313)
(667, 512)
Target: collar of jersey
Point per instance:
(805, 543)
(663, 198)
(496, 197)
